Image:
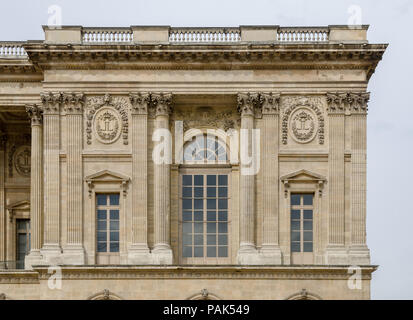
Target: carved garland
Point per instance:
(296, 102)
(119, 103)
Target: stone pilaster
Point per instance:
(73, 251)
(247, 252)
(336, 252)
(3, 139)
(162, 252)
(270, 252)
(51, 249)
(359, 253)
(138, 252)
(36, 186)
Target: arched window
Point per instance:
(205, 148)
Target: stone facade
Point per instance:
(83, 113)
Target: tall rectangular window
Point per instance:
(205, 216)
(302, 222)
(23, 241)
(107, 206)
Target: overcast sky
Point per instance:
(390, 129)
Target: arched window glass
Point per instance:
(205, 148)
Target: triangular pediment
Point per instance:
(20, 205)
(303, 176)
(107, 176)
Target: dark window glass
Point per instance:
(198, 252)
(114, 199)
(211, 180)
(295, 199)
(187, 180)
(101, 199)
(198, 192)
(187, 192)
(223, 180)
(308, 199)
(198, 180)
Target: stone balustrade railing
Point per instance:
(106, 35)
(179, 35)
(303, 34)
(12, 50)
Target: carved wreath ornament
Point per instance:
(22, 160)
(302, 126)
(107, 125)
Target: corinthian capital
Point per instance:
(248, 102)
(51, 102)
(270, 103)
(73, 102)
(359, 102)
(140, 102)
(162, 102)
(337, 102)
(35, 114)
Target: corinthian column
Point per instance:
(73, 251)
(3, 139)
(358, 252)
(51, 249)
(138, 252)
(162, 252)
(247, 252)
(271, 252)
(336, 252)
(36, 187)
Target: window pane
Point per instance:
(295, 225)
(211, 204)
(211, 252)
(295, 247)
(222, 251)
(187, 227)
(198, 240)
(222, 239)
(308, 225)
(308, 236)
(308, 214)
(187, 180)
(187, 252)
(308, 199)
(222, 216)
(198, 252)
(102, 214)
(187, 239)
(223, 192)
(102, 225)
(295, 214)
(101, 246)
(101, 236)
(295, 199)
(198, 227)
(114, 225)
(211, 227)
(114, 247)
(187, 216)
(198, 192)
(308, 247)
(187, 204)
(211, 192)
(101, 199)
(211, 180)
(212, 216)
(187, 192)
(295, 236)
(114, 199)
(223, 204)
(223, 180)
(198, 216)
(114, 236)
(198, 180)
(222, 227)
(198, 203)
(114, 214)
(211, 240)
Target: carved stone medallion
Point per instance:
(22, 160)
(107, 125)
(303, 125)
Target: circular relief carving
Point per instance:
(22, 160)
(107, 125)
(303, 125)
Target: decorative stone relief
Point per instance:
(303, 119)
(348, 102)
(22, 160)
(250, 104)
(16, 143)
(107, 116)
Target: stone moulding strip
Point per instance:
(19, 277)
(197, 272)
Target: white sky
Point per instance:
(390, 129)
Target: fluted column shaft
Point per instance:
(2, 202)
